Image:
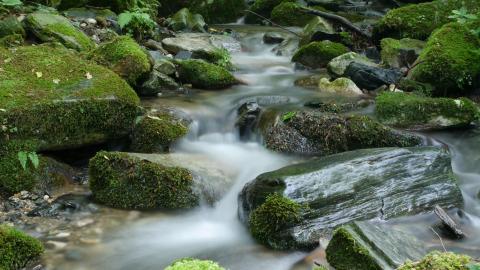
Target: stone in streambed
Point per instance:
(371, 77)
(317, 54)
(157, 83)
(340, 86)
(331, 191)
(363, 245)
(263, 8)
(339, 64)
(400, 53)
(204, 75)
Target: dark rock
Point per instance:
(248, 118)
(371, 78)
(273, 38)
(65, 205)
(157, 83)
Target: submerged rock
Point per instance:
(367, 245)
(315, 133)
(318, 54)
(359, 185)
(17, 249)
(370, 77)
(416, 112)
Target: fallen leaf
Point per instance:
(88, 76)
(56, 81)
(39, 74)
(8, 60)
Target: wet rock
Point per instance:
(423, 113)
(311, 81)
(289, 13)
(273, 38)
(204, 75)
(318, 54)
(313, 133)
(317, 26)
(372, 245)
(340, 86)
(359, 185)
(400, 53)
(371, 78)
(157, 83)
(51, 27)
(165, 66)
(248, 118)
(287, 48)
(339, 64)
(81, 14)
(184, 20)
(65, 205)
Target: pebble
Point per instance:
(56, 245)
(91, 21)
(84, 222)
(90, 241)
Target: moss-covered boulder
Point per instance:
(157, 83)
(416, 112)
(340, 86)
(419, 20)
(204, 75)
(290, 14)
(317, 54)
(57, 100)
(52, 27)
(11, 26)
(124, 181)
(314, 26)
(372, 246)
(17, 249)
(156, 132)
(437, 260)
(339, 64)
(263, 8)
(318, 195)
(218, 11)
(194, 264)
(450, 61)
(309, 132)
(184, 20)
(125, 57)
(400, 53)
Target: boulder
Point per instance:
(313, 133)
(184, 20)
(363, 245)
(49, 27)
(125, 57)
(17, 249)
(263, 8)
(340, 86)
(290, 14)
(189, 263)
(318, 54)
(157, 83)
(203, 75)
(155, 181)
(419, 20)
(371, 77)
(339, 64)
(400, 53)
(315, 26)
(447, 62)
(422, 113)
(218, 11)
(365, 184)
(273, 38)
(247, 120)
(165, 66)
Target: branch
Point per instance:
(273, 23)
(338, 19)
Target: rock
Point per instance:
(165, 66)
(287, 48)
(18, 248)
(55, 245)
(333, 106)
(448, 225)
(318, 54)
(125, 57)
(273, 38)
(155, 181)
(81, 104)
(400, 53)
(370, 77)
(312, 81)
(423, 113)
(184, 20)
(188, 263)
(11, 26)
(247, 120)
(83, 13)
(51, 27)
(419, 21)
(290, 14)
(204, 75)
(155, 132)
(339, 64)
(157, 83)
(447, 62)
(359, 185)
(314, 26)
(64, 205)
(218, 11)
(441, 261)
(264, 8)
(341, 86)
(371, 245)
(313, 133)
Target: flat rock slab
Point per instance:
(359, 185)
(194, 42)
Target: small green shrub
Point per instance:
(136, 22)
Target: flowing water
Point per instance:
(214, 232)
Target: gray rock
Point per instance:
(371, 78)
(359, 185)
(340, 86)
(273, 38)
(339, 64)
(203, 42)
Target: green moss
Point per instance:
(17, 248)
(11, 26)
(51, 27)
(439, 261)
(391, 49)
(125, 57)
(219, 57)
(184, 20)
(156, 133)
(194, 264)
(122, 181)
(313, 26)
(421, 89)
(264, 8)
(46, 97)
(204, 75)
(450, 61)
(275, 214)
(12, 41)
(408, 110)
(14, 178)
(318, 54)
(290, 14)
(345, 253)
(419, 20)
(218, 11)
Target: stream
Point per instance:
(154, 240)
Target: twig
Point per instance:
(338, 19)
(273, 23)
(441, 241)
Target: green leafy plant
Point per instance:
(24, 157)
(10, 3)
(136, 22)
(288, 116)
(463, 17)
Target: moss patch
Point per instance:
(194, 264)
(440, 261)
(450, 61)
(124, 56)
(264, 8)
(318, 54)
(290, 14)
(219, 11)
(274, 215)
(204, 75)
(17, 249)
(392, 49)
(122, 181)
